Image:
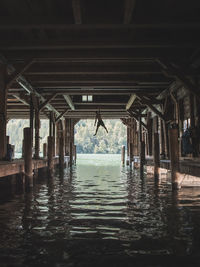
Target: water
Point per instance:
(100, 214)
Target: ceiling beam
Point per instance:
(76, 5)
(69, 101)
(61, 115)
(50, 98)
(129, 6)
(131, 101)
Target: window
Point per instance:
(87, 98)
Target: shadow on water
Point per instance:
(102, 214)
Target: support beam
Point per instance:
(169, 70)
(3, 112)
(28, 156)
(131, 114)
(131, 101)
(76, 5)
(128, 10)
(69, 101)
(61, 115)
(37, 133)
(50, 98)
(50, 154)
(17, 73)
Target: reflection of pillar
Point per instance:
(28, 156)
(3, 112)
(174, 156)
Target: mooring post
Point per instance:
(50, 154)
(156, 155)
(123, 155)
(45, 150)
(28, 156)
(174, 156)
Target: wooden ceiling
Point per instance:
(110, 49)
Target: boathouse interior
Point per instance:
(137, 61)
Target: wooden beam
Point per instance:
(128, 10)
(69, 101)
(50, 98)
(137, 119)
(21, 100)
(61, 115)
(131, 101)
(169, 70)
(76, 5)
(17, 73)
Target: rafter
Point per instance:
(131, 101)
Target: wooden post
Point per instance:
(61, 153)
(75, 154)
(37, 134)
(149, 134)
(3, 112)
(166, 139)
(44, 150)
(50, 154)
(28, 156)
(54, 139)
(128, 145)
(156, 155)
(142, 148)
(123, 155)
(71, 144)
(31, 117)
(174, 156)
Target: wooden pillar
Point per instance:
(174, 156)
(75, 154)
(31, 117)
(50, 153)
(166, 139)
(61, 152)
(162, 140)
(28, 156)
(123, 155)
(67, 137)
(141, 148)
(37, 134)
(50, 124)
(57, 139)
(156, 155)
(149, 134)
(71, 143)
(44, 150)
(156, 147)
(128, 145)
(3, 112)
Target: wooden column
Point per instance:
(61, 152)
(162, 140)
(156, 155)
(67, 137)
(31, 117)
(3, 112)
(123, 155)
(37, 133)
(71, 143)
(44, 150)
(128, 145)
(50, 124)
(50, 153)
(166, 139)
(174, 156)
(141, 148)
(28, 156)
(75, 154)
(149, 134)
(156, 147)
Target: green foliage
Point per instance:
(102, 142)
(84, 139)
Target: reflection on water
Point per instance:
(100, 214)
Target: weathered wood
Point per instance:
(174, 156)
(3, 112)
(69, 101)
(28, 156)
(37, 133)
(75, 155)
(123, 155)
(61, 115)
(31, 117)
(45, 150)
(50, 154)
(44, 104)
(131, 101)
(156, 154)
(61, 152)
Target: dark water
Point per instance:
(100, 216)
